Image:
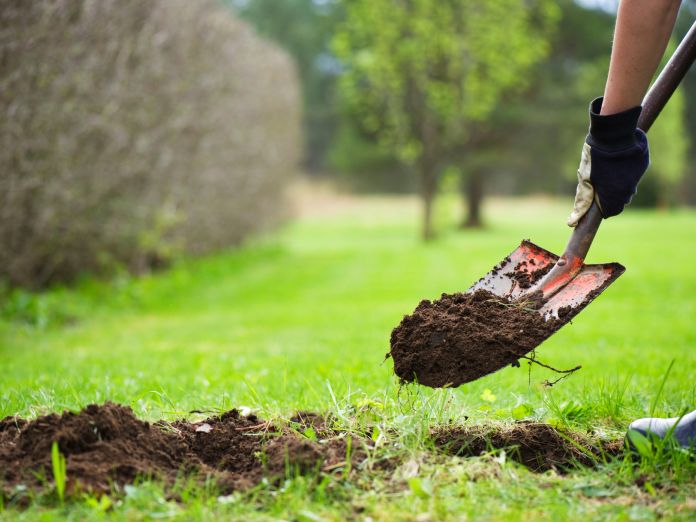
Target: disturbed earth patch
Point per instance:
(462, 337)
(538, 446)
(107, 447)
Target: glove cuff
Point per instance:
(612, 132)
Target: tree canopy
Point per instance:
(419, 72)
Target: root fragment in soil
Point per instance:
(462, 337)
(538, 446)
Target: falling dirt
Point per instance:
(462, 337)
(538, 446)
(107, 446)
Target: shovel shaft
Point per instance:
(669, 79)
(570, 263)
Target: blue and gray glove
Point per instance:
(614, 158)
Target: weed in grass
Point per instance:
(568, 412)
(658, 395)
(609, 401)
(100, 504)
(59, 471)
(522, 411)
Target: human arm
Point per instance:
(615, 154)
(643, 28)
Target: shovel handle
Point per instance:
(668, 80)
(570, 263)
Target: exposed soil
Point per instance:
(538, 446)
(462, 337)
(107, 446)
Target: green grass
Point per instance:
(301, 320)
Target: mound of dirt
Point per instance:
(538, 446)
(107, 446)
(462, 337)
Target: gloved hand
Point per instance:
(614, 158)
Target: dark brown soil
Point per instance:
(462, 337)
(526, 275)
(538, 446)
(107, 447)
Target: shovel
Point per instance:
(451, 341)
(566, 284)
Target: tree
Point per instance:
(420, 73)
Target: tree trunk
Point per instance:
(428, 189)
(472, 197)
(428, 163)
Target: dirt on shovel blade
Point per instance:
(462, 337)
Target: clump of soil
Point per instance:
(462, 337)
(107, 446)
(538, 446)
(527, 274)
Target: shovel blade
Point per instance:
(518, 272)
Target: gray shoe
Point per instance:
(684, 433)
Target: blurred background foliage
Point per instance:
(423, 77)
(530, 139)
(135, 131)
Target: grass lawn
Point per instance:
(300, 320)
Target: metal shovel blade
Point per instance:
(517, 274)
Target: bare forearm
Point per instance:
(643, 28)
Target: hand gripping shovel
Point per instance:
(566, 284)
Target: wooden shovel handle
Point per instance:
(581, 239)
(669, 79)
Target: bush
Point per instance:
(135, 130)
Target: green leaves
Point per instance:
(419, 74)
(424, 70)
(522, 411)
(421, 487)
(641, 444)
(59, 471)
(488, 396)
(310, 434)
